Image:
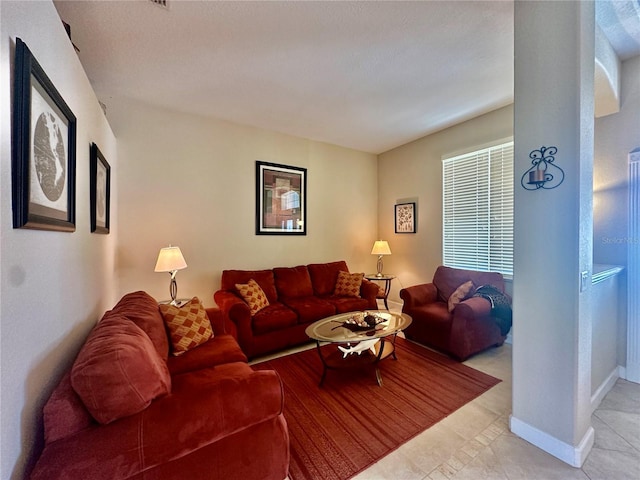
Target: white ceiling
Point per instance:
(365, 75)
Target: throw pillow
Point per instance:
(253, 295)
(461, 293)
(348, 284)
(118, 371)
(189, 325)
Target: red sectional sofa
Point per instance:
(211, 415)
(297, 296)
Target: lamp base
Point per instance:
(379, 274)
(173, 290)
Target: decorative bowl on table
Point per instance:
(363, 321)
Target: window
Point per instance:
(477, 214)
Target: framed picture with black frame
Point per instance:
(43, 163)
(99, 190)
(281, 199)
(405, 217)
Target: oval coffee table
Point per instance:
(334, 330)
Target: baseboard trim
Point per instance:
(606, 386)
(570, 454)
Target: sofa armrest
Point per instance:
(220, 323)
(471, 324)
(204, 407)
(369, 291)
(235, 310)
(418, 295)
(473, 307)
(208, 405)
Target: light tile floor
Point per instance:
(474, 443)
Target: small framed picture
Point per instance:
(99, 190)
(43, 163)
(281, 199)
(405, 215)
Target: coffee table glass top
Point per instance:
(332, 329)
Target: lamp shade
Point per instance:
(170, 259)
(381, 247)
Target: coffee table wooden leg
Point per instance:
(324, 365)
(395, 335)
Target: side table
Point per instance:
(179, 302)
(387, 285)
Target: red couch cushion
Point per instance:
(325, 275)
(437, 313)
(142, 309)
(274, 317)
(264, 278)
(217, 351)
(310, 309)
(293, 282)
(348, 304)
(118, 372)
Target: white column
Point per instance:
(632, 371)
(554, 75)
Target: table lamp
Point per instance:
(380, 248)
(170, 260)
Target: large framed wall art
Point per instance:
(99, 190)
(281, 199)
(43, 164)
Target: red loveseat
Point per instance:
(469, 328)
(297, 296)
(213, 416)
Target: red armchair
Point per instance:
(468, 329)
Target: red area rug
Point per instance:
(347, 425)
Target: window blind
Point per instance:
(478, 210)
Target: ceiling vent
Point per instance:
(161, 3)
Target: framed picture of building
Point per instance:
(99, 190)
(281, 199)
(43, 164)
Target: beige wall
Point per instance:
(413, 172)
(615, 136)
(190, 181)
(53, 286)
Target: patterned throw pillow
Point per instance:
(189, 325)
(461, 293)
(348, 284)
(253, 295)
